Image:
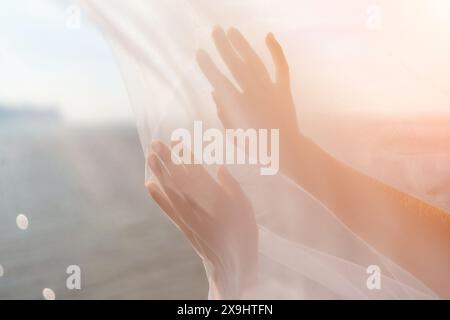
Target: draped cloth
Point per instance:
(368, 82)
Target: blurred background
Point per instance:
(71, 162)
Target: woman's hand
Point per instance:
(362, 203)
(215, 216)
(259, 102)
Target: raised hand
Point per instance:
(258, 102)
(361, 202)
(215, 216)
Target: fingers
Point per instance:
(217, 79)
(228, 93)
(169, 186)
(248, 54)
(190, 180)
(162, 151)
(197, 175)
(158, 169)
(281, 65)
(233, 61)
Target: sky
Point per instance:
(46, 60)
(51, 55)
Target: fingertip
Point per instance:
(153, 189)
(151, 186)
(217, 31)
(203, 60)
(272, 42)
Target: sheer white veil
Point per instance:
(355, 81)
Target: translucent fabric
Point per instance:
(367, 84)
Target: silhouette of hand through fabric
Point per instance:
(215, 216)
(257, 102)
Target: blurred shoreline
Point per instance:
(82, 189)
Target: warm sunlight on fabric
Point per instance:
(52, 57)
